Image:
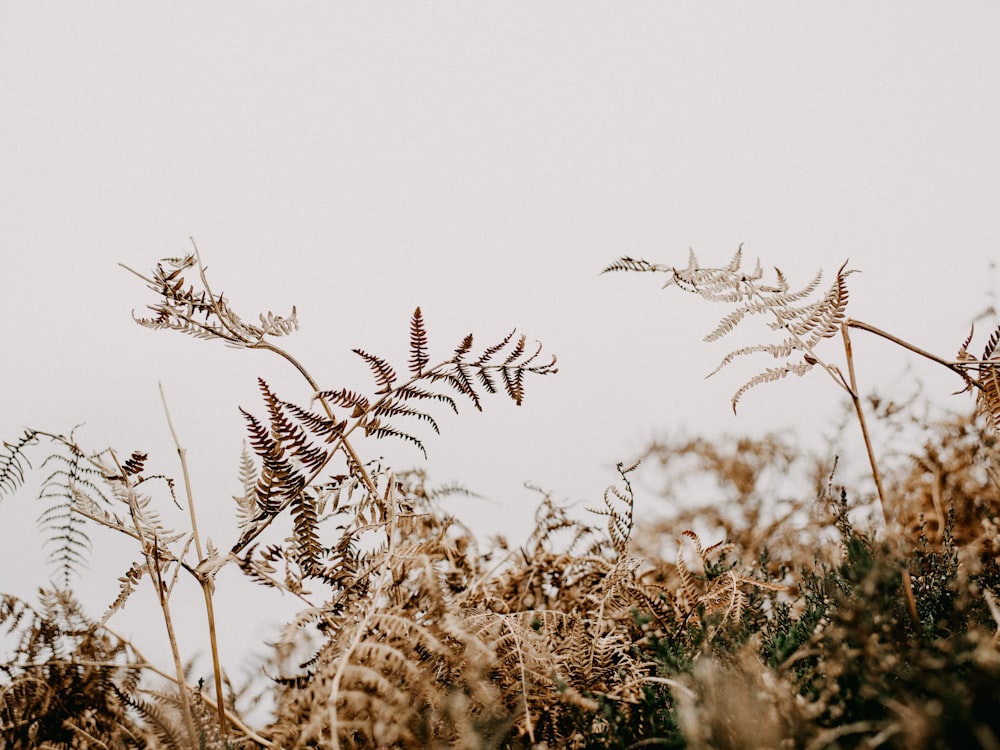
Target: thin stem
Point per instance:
(956, 367)
(859, 410)
(343, 443)
(203, 580)
(911, 603)
(182, 454)
(153, 569)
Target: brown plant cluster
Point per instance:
(755, 602)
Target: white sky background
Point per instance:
(483, 161)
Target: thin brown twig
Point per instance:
(204, 581)
(152, 555)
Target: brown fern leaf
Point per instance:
(804, 325)
(626, 263)
(348, 399)
(272, 482)
(328, 429)
(688, 589)
(988, 394)
(290, 458)
(410, 392)
(460, 379)
(390, 408)
(488, 353)
(14, 462)
(308, 550)
(620, 522)
(418, 344)
(464, 347)
(723, 592)
(385, 376)
(135, 463)
(127, 585)
(770, 375)
(378, 430)
(197, 311)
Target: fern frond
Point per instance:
(489, 351)
(626, 263)
(988, 393)
(72, 481)
(67, 533)
(246, 502)
(459, 379)
(134, 464)
(380, 431)
(804, 325)
(620, 522)
(197, 311)
(389, 409)
(385, 376)
(410, 392)
(269, 491)
(278, 325)
(308, 549)
(13, 462)
(779, 350)
(127, 584)
(463, 347)
(418, 344)
(770, 375)
(328, 429)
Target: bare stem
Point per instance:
(911, 603)
(955, 367)
(151, 553)
(203, 580)
(859, 410)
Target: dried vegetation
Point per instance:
(785, 620)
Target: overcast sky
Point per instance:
(484, 161)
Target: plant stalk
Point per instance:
(911, 603)
(203, 580)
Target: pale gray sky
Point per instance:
(483, 161)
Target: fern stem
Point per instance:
(957, 368)
(859, 410)
(153, 566)
(343, 442)
(153, 569)
(203, 581)
(911, 603)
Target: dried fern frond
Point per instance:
(803, 324)
(66, 682)
(986, 381)
(723, 590)
(619, 511)
(14, 462)
(72, 478)
(192, 308)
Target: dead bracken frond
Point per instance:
(986, 381)
(800, 627)
(802, 324)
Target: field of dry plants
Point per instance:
(829, 616)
